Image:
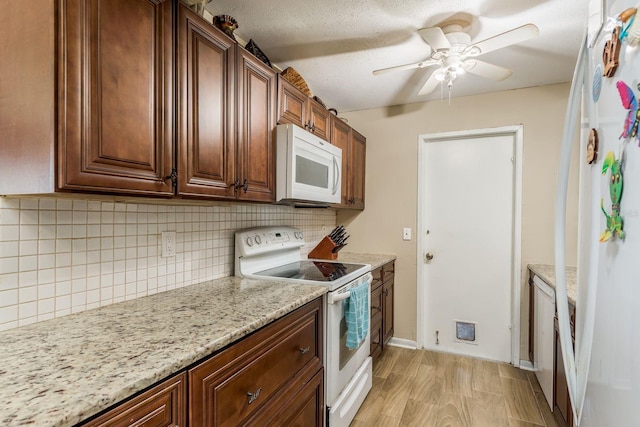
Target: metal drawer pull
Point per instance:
(254, 396)
(305, 350)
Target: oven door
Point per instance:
(342, 362)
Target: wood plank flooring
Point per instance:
(429, 389)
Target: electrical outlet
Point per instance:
(406, 234)
(168, 244)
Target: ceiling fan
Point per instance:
(453, 52)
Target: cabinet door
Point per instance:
(292, 104)
(340, 136)
(357, 161)
(319, 119)
(162, 406)
(387, 315)
(256, 121)
(206, 108)
(115, 91)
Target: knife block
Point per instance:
(324, 250)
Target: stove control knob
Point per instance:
(249, 242)
(301, 235)
(258, 240)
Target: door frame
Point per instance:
(516, 241)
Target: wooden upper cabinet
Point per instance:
(297, 108)
(256, 124)
(292, 104)
(357, 168)
(116, 104)
(353, 146)
(340, 136)
(206, 69)
(319, 120)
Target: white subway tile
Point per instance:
(64, 205)
(28, 309)
(29, 204)
(9, 265)
(9, 249)
(28, 278)
(63, 288)
(27, 247)
(46, 305)
(46, 276)
(47, 204)
(8, 314)
(46, 261)
(8, 298)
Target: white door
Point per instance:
(467, 223)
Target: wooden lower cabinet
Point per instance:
(381, 322)
(274, 376)
(162, 406)
(561, 401)
(239, 383)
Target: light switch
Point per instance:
(406, 233)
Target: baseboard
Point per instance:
(401, 342)
(526, 365)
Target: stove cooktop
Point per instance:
(316, 271)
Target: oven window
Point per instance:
(311, 173)
(345, 353)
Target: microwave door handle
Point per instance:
(336, 169)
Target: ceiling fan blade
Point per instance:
(435, 37)
(420, 64)
(429, 85)
(515, 36)
(486, 70)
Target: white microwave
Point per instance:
(308, 168)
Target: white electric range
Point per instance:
(274, 253)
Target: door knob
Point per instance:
(429, 256)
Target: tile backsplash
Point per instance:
(65, 255)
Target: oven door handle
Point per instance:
(335, 298)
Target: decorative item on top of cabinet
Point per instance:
(297, 108)
(227, 24)
(381, 323)
(163, 405)
(87, 109)
(213, 163)
(353, 146)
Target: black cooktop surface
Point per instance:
(318, 271)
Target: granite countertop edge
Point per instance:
(547, 273)
(59, 372)
(374, 260)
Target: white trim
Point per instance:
(401, 342)
(527, 365)
(517, 132)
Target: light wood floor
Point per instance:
(425, 388)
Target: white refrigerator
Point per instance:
(604, 372)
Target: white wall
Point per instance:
(61, 255)
(391, 180)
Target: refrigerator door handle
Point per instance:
(575, 383)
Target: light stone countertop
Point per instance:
(62, 371)
(375, 260)
(548, 274)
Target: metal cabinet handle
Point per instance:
(429, 256)
(386, 292)
(254, 396)
(245, 185)
(305, 350)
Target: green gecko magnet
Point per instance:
(614, 221)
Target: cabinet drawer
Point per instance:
(388, 271)
(232, 385)
(162, 406)
(377, 336)
(376, 302)
(301, 404)
(377, 278)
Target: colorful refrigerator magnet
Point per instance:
(614, 221)
(629, 102)
(592, 147)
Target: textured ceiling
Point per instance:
(336, 44)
